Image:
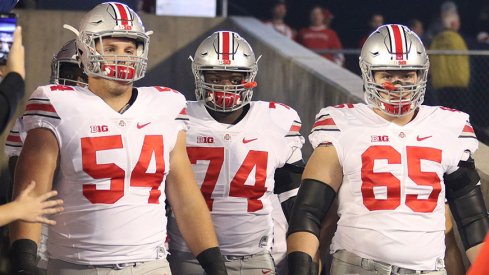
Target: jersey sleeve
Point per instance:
(183, 118)
(295, 138)
(40, 112)
(289, 121)
(15, 140)
(325, 130)
(180, 104)
(466, 140)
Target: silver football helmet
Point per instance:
(65, 69)
(224, 51)
(112, 19)
(394, 47)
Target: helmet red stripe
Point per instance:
(398, 42)
(225, 45)
(123, 12)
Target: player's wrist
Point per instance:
(16, 212)
(23, 257)
(212, 261)
(299, 263)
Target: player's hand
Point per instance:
(32, 208)
(16, 57)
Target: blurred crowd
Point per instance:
(457, 79)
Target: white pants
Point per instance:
(184, 263)
(345, 262)
(156, 267)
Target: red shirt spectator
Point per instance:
(279, 11)
(318, 36)
(376, 20)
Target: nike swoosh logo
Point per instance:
(248, 140)
(266, 271)
(422, 138)
(142, 125)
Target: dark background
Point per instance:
(351, 17)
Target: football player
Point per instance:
(65, 70)
(115, 153)
(392, 162)
(242, 153)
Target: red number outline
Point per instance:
(254, 159)
(152, 146)
(414, 155)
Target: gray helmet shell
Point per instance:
(224, 51)
(393, 48)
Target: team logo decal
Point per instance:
(379, 138)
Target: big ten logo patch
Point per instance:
(203, 139)
(99, 128)
(379, 138)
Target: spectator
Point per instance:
(376, 20)
(12, 87)
(450, 74)
(148, 6)
(417, 27)
(319, 36)
(447, 7)
(480, 76)
(279, 11)
(29, 207)
(483, 24)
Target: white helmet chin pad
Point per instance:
(394, 48)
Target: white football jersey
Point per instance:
(15, 139)
(234, 166)
(111, 173)
(392, 199)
